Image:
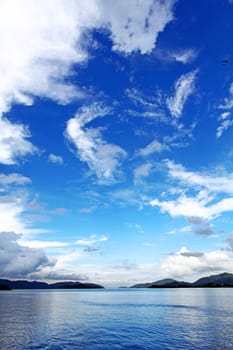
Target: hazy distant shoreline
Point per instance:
(223, 280)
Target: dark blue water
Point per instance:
(117, 319)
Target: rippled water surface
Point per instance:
(117, 319)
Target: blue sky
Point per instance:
(116, 140)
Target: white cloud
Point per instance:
(14, 213)
(184, 87)
(184, 56)
(40, 45)
(41, 244)
(150, 107)
(198, 206)
(225, 123)
(13, 178)
(225, 118)
(93, 239)
(212, 183)
(135, 25)
(141, 172)
(52, 274)
(12, 207)
(197, 195)
(101, 157)
(187, 264)
(53, 158)
(230, 241)
(228, 101)
(13, 141)
(18, 261)
(153, 147)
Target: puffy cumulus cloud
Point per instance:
(17, 261)
(102, 158)
(13, 141)
(135, 25)
(39, 47)
(37, 50)
(53, 158)
(40, 44)
(42, 41)
(141, 172)
(184, 87)
(12, 207)
(187, 264)
(15, 208)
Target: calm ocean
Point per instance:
(117, 319)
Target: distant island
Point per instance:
(6, 284)
(214, 281)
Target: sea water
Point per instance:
(139, 319)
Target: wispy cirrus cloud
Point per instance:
(93, 239)
(199, 205)
(200, 195)
(153, 147)
(103, 158)
(225, 119)
(209, 181)
(184, 87)
(40, 46)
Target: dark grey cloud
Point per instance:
(89, 249)
(195, 220)
(192, 254)
(205, 230)
(201, 226)
(17, 261)
(59, 276)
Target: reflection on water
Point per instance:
(116, 319)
